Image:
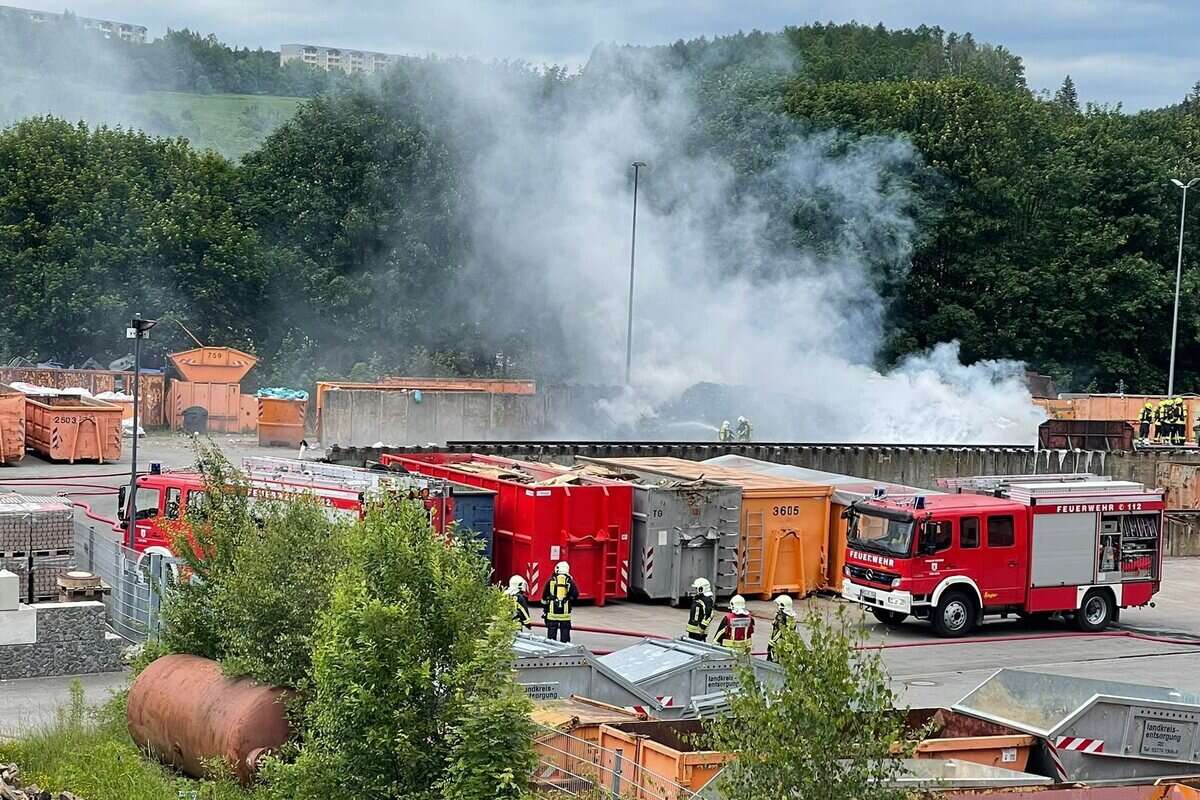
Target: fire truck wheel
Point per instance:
(1097, 611)
(890, 618)
(955, 614)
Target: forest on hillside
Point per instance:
(892, 190)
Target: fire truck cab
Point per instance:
(1028, 545)
(164, 498)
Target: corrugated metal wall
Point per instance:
(152, 398)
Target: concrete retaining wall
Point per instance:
(70, 639)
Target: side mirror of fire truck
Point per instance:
(121, 495)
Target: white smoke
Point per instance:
(720, 295)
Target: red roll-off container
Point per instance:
(539, 522)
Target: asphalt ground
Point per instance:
(1157, 646)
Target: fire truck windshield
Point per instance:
(880, 534)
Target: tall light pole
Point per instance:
(138, 329)
(1178, 276)
(637, 165)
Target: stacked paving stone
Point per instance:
(36, 532)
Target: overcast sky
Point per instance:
(1140, 53)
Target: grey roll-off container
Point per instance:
(696, 677)
(550, 670)
(682, 530)
(1098, 731)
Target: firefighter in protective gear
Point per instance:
(725, 433)
(518, 590)
(737, 627)
(558, 596)
(1162, 421)
(744, 430)
(701, 612)
(1179, 431)
(1145, 421)
(785, 620)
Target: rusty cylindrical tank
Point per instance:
(185, 711)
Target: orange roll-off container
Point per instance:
(783, 547)
(664, 752)
(223, 401)
(73, 428)
(281, 422)
(12, 425)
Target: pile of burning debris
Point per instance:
(11, 789)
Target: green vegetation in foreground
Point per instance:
(231, 124)
(89, 752)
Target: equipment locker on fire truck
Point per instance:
(1030, 545)
(165, 498)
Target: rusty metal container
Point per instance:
(1182, 482)
(222, 401)
(153, 394)
(1085, 434)
(186, 712)
(248, 415)
(281, 422)
(73, 428)
(213, 364)
(12, 425)
(958, 736)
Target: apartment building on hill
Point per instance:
(331, 58)
(110, 29)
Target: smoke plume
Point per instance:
(757, 277)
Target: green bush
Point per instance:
(265, 576)
(412, 692)
(829, 733)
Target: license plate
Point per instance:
(869, 597)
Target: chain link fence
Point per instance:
(138, 580)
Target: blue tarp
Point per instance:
(282, 393)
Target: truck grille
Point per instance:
(871, 575)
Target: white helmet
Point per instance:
(785, 605)
(737, 604)
(562, 568)
(701, 586)
(516, 585)
(741, 419)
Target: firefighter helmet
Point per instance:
(516, 585)
(701, 586)
(737, 604)
(562, 568)
(785, 605)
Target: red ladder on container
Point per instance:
(610, 578)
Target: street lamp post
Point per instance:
(1178, 276)
(637, 165)
(138, 329)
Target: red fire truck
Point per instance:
(1028, 545)
(164, 498)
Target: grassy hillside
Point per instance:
(231, 124)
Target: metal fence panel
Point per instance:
(138, 581)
